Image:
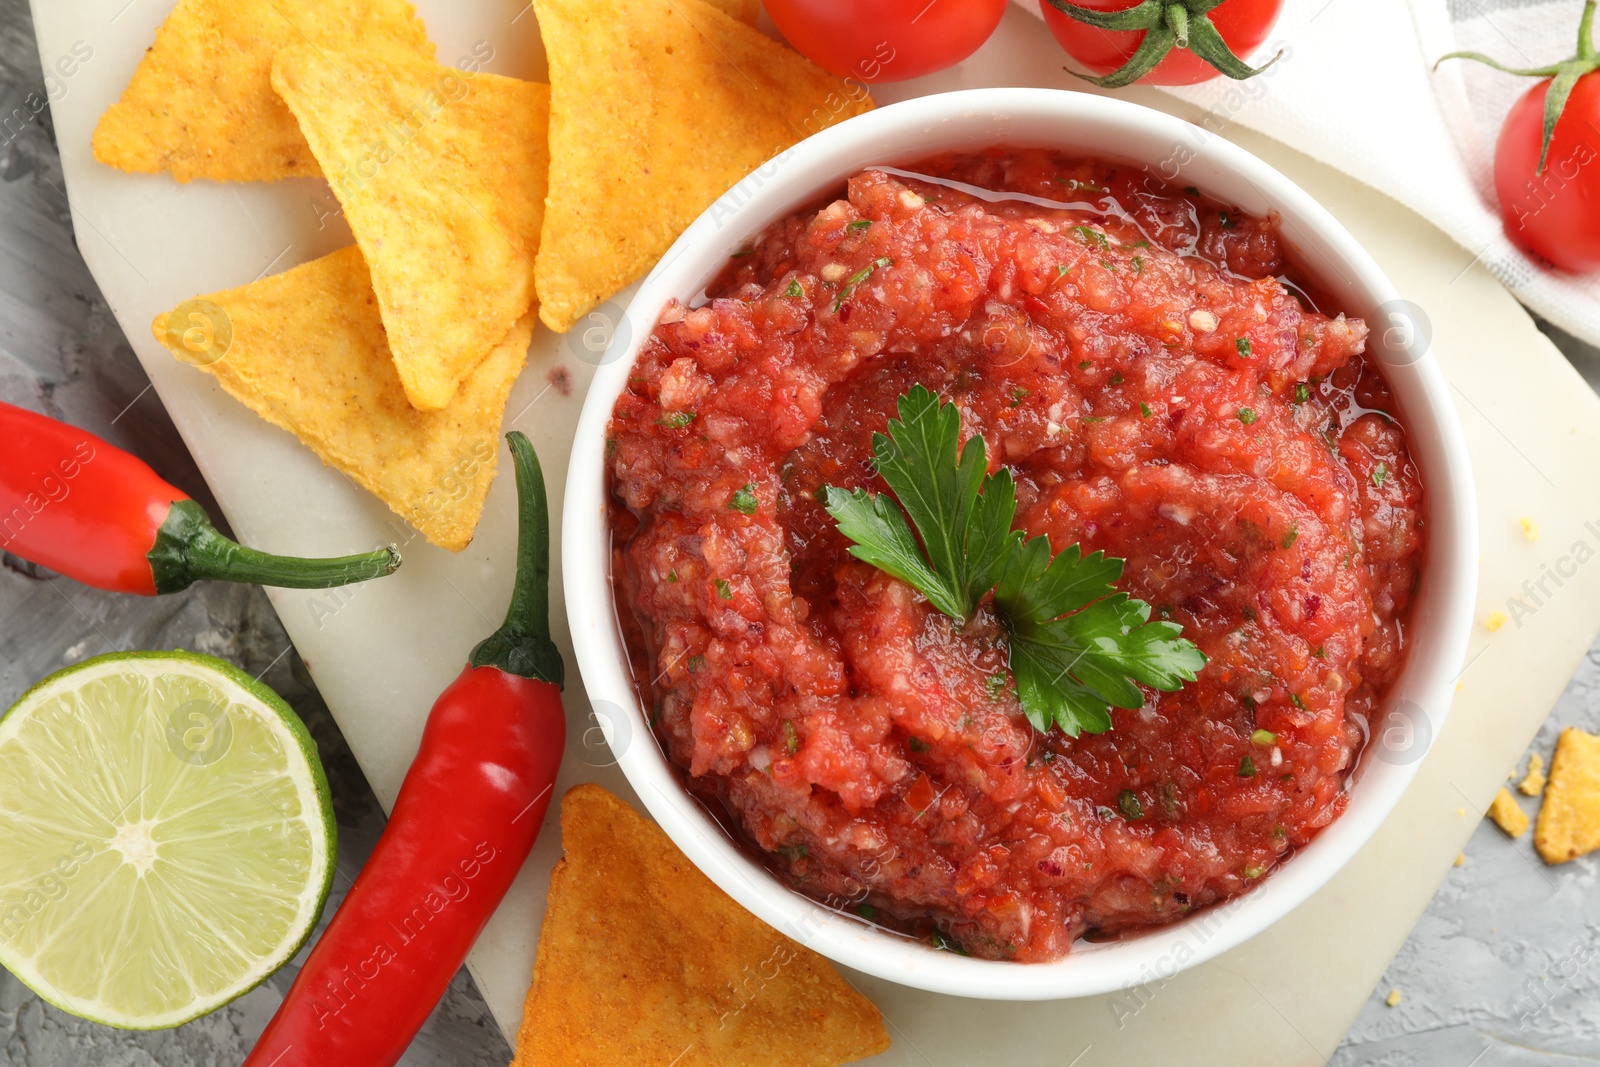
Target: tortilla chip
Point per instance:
(1506, 813)
(746, 11)
(657, 107)
(305, 350)
(1569, 820)
(1533, 782)
(643, 960)
(201, 103)
(442, 178)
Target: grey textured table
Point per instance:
(1501, 970)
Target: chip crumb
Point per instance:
(1461, 811)
(1461, 860)
(1393, 999)
(1460, 686)
(1495, 620)
(1532, 783)
(1505, 813)
(1530, 529)
(1569, 820)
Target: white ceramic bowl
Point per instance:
(1178, 151)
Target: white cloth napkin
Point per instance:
(1355, 89)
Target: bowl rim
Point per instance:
(1435, 437)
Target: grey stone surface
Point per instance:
(1503, 969)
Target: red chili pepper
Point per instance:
(465, 820)
(86, 509)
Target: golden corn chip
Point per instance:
(1506, 813)
(1569, 820)
(1533, 782)
(441, 175)
(201, 103)
(746, 11)
(305, 350)
(657, 107)
(643, 960)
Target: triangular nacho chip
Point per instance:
(643, 960)
(657, 108)
(201, 103)
(442, 178)
(746, 11)
(305, 350)
(1569, 820)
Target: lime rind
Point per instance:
(166, 837)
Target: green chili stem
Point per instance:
(188, 549)
(522, 646)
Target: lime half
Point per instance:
(166, 837)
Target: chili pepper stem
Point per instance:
(522, 646)
(189, 549)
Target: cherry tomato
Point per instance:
(1555, 214)
(1243, 24)
(886, 40)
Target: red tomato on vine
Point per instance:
(1547, 161)
(885, 40)
(1162, 42)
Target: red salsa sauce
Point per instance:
(1160, 388)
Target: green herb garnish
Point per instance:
(1077, 646)
(677, 420)
(1291, 536)
(856, 279)
(1247, 416)
(724, 590)
(1128, 802)
(1144, 410)
(794, 291)
(695, 663)
(859, 224)
(1302, 393)
(1247, 767)
(1092, 236)
(1243, 347)
(791, 738)
(1264, 737)
(917, 744)
(744, 499)
(1380, 474)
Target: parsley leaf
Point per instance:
(1077, 645)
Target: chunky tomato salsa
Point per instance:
(1142, 360)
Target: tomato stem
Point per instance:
(1178, 23)
(188, 549)
(1563, 75)
(522, 646)
(1166, 24)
